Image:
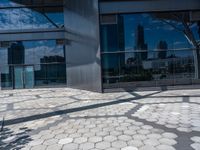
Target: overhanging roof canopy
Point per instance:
(32, 3)
(39, 2)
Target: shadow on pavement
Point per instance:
(77, 109)
(9, 140)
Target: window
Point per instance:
(150, 49)
(46, 56)
(20, 15)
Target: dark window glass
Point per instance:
(111, 66)
(40, 75)
(50, 74)
(6, 76)
(109, 38)
(112, 36)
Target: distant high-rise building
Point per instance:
(52, 67)
(121, 40)
(140, 46)
(199, 28)
(16, 53)
(52, 59)
(162, 49)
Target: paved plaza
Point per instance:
(69, 119)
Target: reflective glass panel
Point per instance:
(45, 60)
(31, 18)
(150, 49)
(6, 76)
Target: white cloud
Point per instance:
(22, 18)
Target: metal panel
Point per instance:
(83, 48)
(31, 35)
(128, 6)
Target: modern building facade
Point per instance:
(99, 44)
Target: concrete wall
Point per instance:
(83, 48)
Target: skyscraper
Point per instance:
(16, 53)
(162, 49)
(141, 47)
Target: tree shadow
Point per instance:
(14, 141)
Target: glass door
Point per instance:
(18, 78)
(23, 77)
(28, 77)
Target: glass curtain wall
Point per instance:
(39, 61)
(150, 49)
(31, 14)
(47, 57)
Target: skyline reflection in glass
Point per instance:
(149, 49)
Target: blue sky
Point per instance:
(154, 30)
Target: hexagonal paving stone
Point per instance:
(70, 146)
(109, 138)
(65, 141)
(124, 137)
(143, 131)
(184, 129)
(139, 137)
(116, 133)
(46, 137)
(195, 146)
(50, 142)
(152, 142)
(89, 134)
(61, 136)
(102, 133)
(154, 136)
(95, 139)
(36, 142)
(54, 147)
(137, 143)
(147, 127)
(102, 145)
(167, 141)
(148, 147)
(39, 147)
(165, 147)
(80, 140)
(169, 135)
(129, 148)
(86, 146)
(196, 139)
(119, 144)
(129, 132)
